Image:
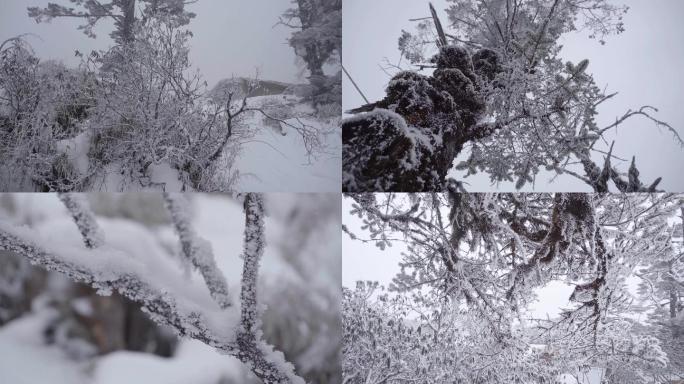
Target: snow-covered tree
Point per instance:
(146, 110)
(662, 289)
(135, 107)
(472, 268)
(41, 102)
(497, 90)
(151, 110)
(135, 115)
(209, 312)
(124, 13)
(317, 39)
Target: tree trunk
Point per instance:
(126, 24)
(312, 56)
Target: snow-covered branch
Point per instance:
(252, 253)
(84, 219)
(185, 308)
(90, 267)
(253, 349)
(500, 94)
(464, 301)
(197, 249)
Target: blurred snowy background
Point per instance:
(53, 330)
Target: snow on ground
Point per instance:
(272, 161)
(286, 168)
(25, 359)
(77, 150)
(194, 362)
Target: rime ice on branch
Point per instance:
(462, 308)
(253, 251)
(197, 249)
(107, 269)
(253, 350)
(84, 219)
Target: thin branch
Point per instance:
(84, 219)
(253, 251)
(268, 365)
(355, 85)
(197, 250)
(643, 111)
(252, 348)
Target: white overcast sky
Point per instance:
(644, 64)
(231, 37)
(364, 261)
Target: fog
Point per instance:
(231, 37)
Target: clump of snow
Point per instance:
(381, 151)
(76, 149)
(193, 362)
(26, 358)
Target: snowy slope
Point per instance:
(272, 161)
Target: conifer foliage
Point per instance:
(125, 13)
(317, 40)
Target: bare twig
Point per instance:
(354, 84)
